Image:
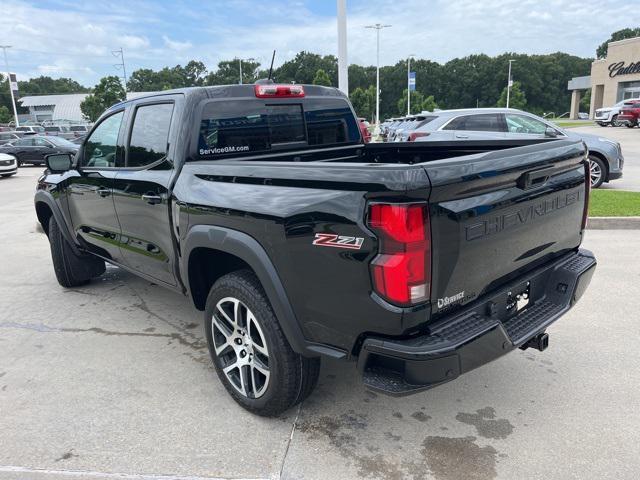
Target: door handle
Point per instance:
(104, 192)
(458, 135)
(151, 198)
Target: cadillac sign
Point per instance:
(620, 68)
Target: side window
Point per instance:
(100, 148)
(41, 142)
(25, 142)
(486, 122)
(150, 134)
(524, 124)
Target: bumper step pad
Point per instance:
(473, 337)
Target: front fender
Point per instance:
(44, 197)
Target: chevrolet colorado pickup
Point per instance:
(297, 240)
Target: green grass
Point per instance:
(612, 203)
(572, 123)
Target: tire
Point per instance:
(602, 124)
(614, 121)
(250, 353)
(71, 270)
(598, 171)
(630, 125)
(6, 175)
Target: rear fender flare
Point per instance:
(250, 251)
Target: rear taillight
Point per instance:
(401, 271)
(279, 91)
(414, 135)
(587, 193)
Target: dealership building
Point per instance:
(613, 79)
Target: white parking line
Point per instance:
(122, 476)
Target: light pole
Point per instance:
(13, 101)
(240, 65)
(509, 82)
(409, 83)
(343, 69)
(378, 27)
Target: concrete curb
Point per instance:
(613, 223)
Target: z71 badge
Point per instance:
(338, 241)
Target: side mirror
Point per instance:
(58, 162)
(550, 132)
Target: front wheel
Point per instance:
(251, 354)
(614, 121)
(597, 171)
(71, 270)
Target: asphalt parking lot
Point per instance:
(113, 380)
(629, 138)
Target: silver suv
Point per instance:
(510, 124)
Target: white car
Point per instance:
(8, 165)
(609, 115)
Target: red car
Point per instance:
(630, 113)
(364, 130)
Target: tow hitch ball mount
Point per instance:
(539, 342)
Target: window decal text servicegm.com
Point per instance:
(229, 149)
(522, 216)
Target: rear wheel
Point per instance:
(630, 124)
(597, 171)
(71, 270)
(251, 354)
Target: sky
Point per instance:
(62, 38)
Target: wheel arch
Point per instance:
(46, 207)
(605, 162)
(209, 247)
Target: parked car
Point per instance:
(59, 131)
(630, 113)
(8, 165)
(79, 140)
(609, 115)
(33, 148)
(30, 129)
(403, 134)
(8, 137)
(605, 155)
(79, 130)
(297, 241)
(364, 130)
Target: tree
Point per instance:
(106, 93)
(228, 73)
(517, 98)
(364, 101)
(304, 66)
(44, 85)
(322, 78)
(419, 103)
(5, 115)
(601, 51)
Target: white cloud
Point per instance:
(82, 35)
(175, 45)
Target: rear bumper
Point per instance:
(479, 333)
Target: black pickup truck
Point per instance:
(297, 240)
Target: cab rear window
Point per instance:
(242, 127)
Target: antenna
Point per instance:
(271, 67)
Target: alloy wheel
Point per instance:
(595, 172)
(241, 347)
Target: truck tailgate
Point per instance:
(496, 215)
